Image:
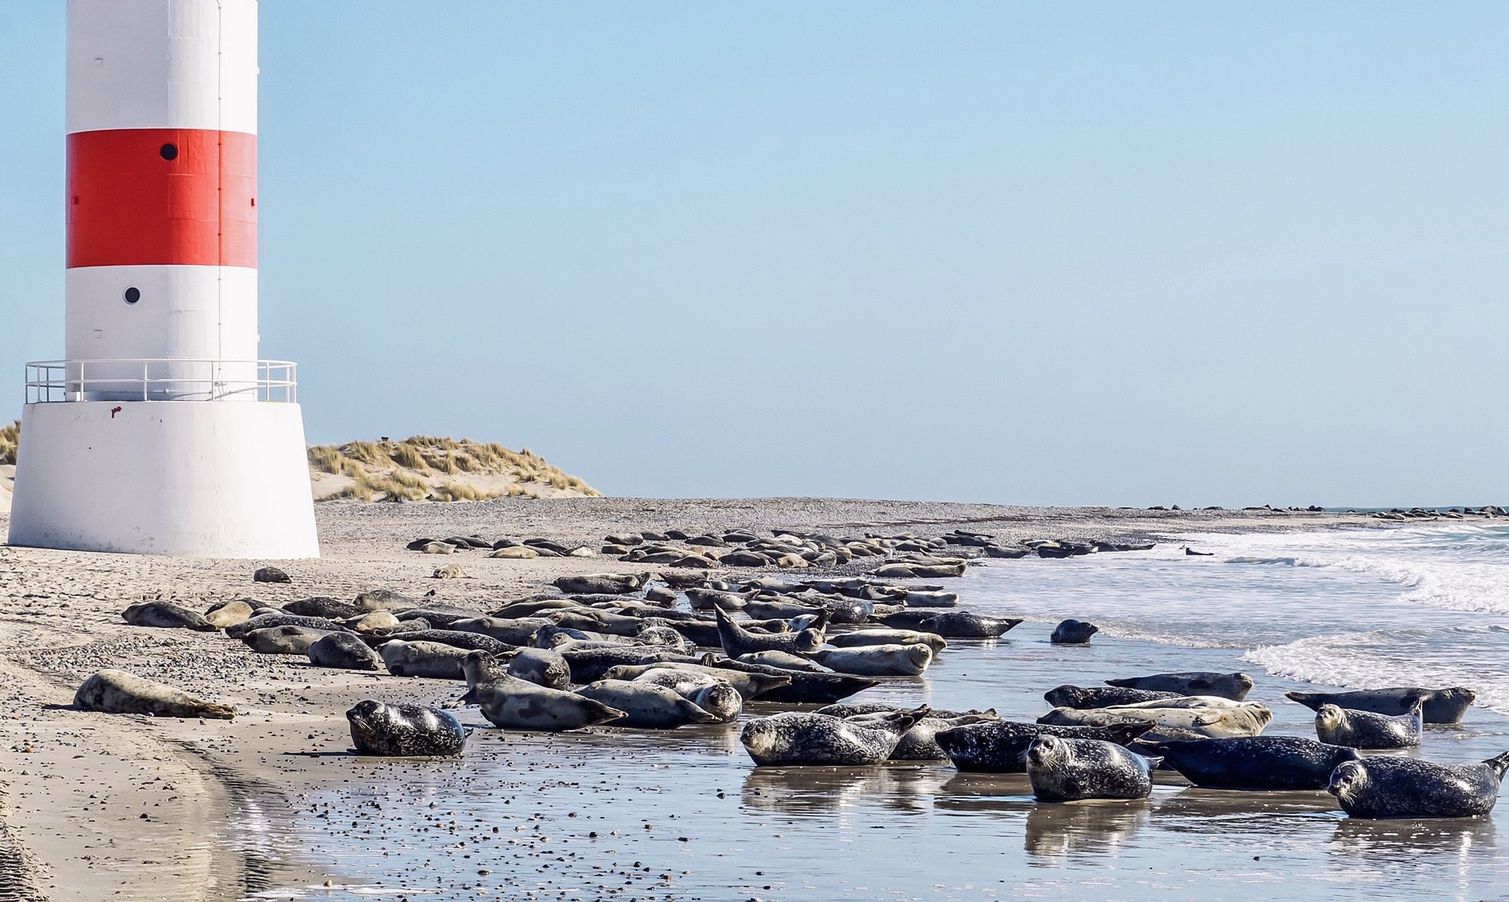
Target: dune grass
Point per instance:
(10, 442)
(414, 469)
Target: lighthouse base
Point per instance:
(226, 479)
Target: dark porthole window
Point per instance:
(133, 294)
(169, 151)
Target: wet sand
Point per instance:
(270, 804)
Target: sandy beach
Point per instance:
(130, 807)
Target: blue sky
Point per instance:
(1051, 253)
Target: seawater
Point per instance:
(685, 815)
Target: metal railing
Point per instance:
(161, 379)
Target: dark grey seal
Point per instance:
(799, 738)
(1383, 786)
(165, 614)
(804, 687)
(1085, 697)
(1283, 763)
(404, 730)
(1366, 730)
(602, 583)
(1441, 705)
(952, 624)
(323, 606)
(1234, 686)
(738, 641)
(270, 575)
(1068, 770)
(1073, 632)
(344, 651)
(1000, 746)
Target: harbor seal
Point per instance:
(323, 606)
(589, 665)
(1000, 746)
(1234, 686)
(785, 661)
(120, 692)
(1384, 786)
(457, 639)
(1264, 763)
(871, 636)
(799, 738)
(646, 705)
(804, 688)
(1366, 730)
(270, 575)
(602, 583)
(404, 730)
(343, 651)
(1441, 705)
(230, 613)
(919, 743)
(713, 695)
(1068, 770)
(167, 615)
(278, 618)
(423, 659)
(1248, 719)
(284, 640)
(540, 666)
(738, 641)
(952, 624)
(1073, 632)
(515, 704)
(876, 660)
(1069, 696)
(749, 685)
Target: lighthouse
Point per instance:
(161, 431)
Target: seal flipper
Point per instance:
(1154, 761)
(1498, 764)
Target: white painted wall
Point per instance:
(196, 479)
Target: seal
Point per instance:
(738, 641)
(919, 743)
(748, 685)
(423, 659)
(854, 709)
(591, 664)
(270, 575)
(1068, 770)
(404, 730)
(711, 694)
(165, 614)
(515, 704)
(1000, 746)
(952, 624)
(602, 583)
(804, 688)
(1227, 685)
(1264, 763)
(1441, 705)
(285, 640)
(230, 613)
(1069, 696)
(876, 660)
(1073, 632)
(1383, 786)
(120, 692)
(343, 651)
(888, 637)
(540, 666)
(458, 639)
(1366, 730)
(646, 705)
(799, 738)
(278, 618)
(1247, 719)
(785, 661)
(323, 606)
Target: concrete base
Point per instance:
(226, 479)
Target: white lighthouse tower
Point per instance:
(161, 432)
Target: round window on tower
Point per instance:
(169, 151)
(132, 295)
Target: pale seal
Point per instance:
(512, 703)
(1248, 719)
(1366, 730)
(713, 695)
(423, 659)
(799, 738)
(646, 705)
(1227, 685)
(166, 614)
(1068, 770)
(1000, 746)
(284, 640)
(119, 692)
(876, 660)
(404, 730)
(1383, 786)
(888, 637)
(1441, 705)
(1261, 763)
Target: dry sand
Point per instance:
(135, 808)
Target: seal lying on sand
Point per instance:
(713, 695)
(1201, 682)
(1441, 705)
(739, 641)
(344, 651)
(799, 738)
(1000, 746)
(646, 705)
(404, 730)
(919, 742)
(804, 688)
(888, 637)
(1067, 770)
(602, 583)
(1366, 730)
(1385, 786)
(423, 659)
(1281, 763)
(1067, 696)
(119, 692)
(1247, 719)
(284, 640)
(516, 704)
(749, 685)
(951, 624)
(164, 614)
(876, 660)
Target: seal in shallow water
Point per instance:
(1000, 746)
(876, 660)
(1073, 632)
(404, 730)
(1234, 686)
(1068, 696)
(119, 692)
(1068, 770)
(1255, 762)
(1366, 730)
(800, 738)
(1383, 786)
(1441, 705)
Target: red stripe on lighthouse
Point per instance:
(162, 196)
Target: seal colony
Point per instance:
(688, 649)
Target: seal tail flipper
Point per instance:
(1302, 697)
(1154, 761)
(1498, 764)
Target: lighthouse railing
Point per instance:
(161, 379)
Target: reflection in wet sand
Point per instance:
(1403, 839)
(1083, 828)
(830, 790)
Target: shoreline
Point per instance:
(80, 786)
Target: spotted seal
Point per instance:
(646, 705)
(800, 738)
(404, 730)
(1283, 763)
(120, 692)
(1384, 786)
(1000, 746)
(738, 641)
(920, 743)
(423, 659)
(713, 695)
(512, 703)
(748, 685)
(1366, 730)
(1068, 770)
(1441, 705)
(952, 624)
(804, 688)
(1247, 719)
(284, 640)
(1234, 686)
(166, 614)
(1069, 696)
(888, 637)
